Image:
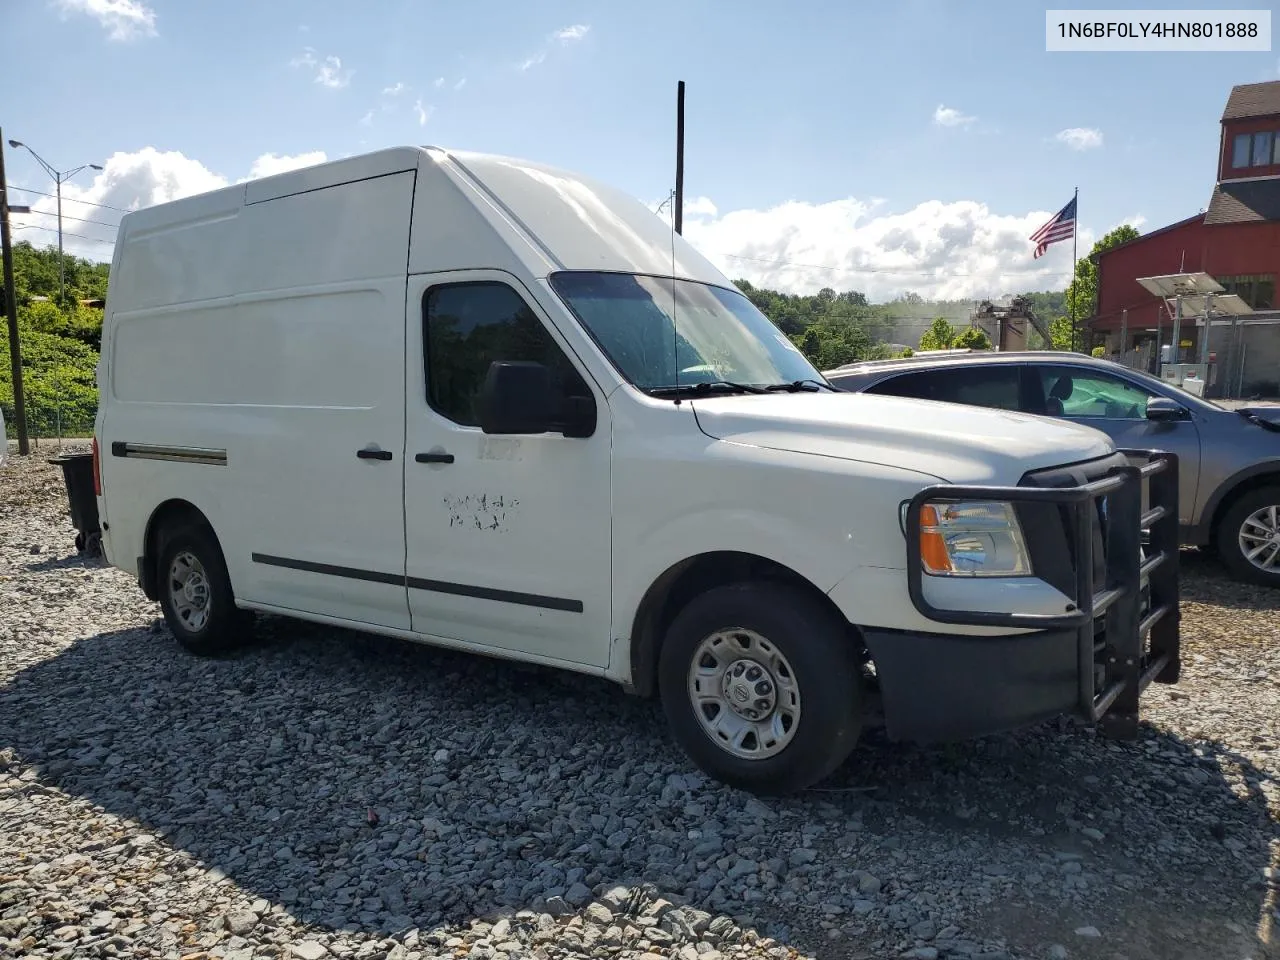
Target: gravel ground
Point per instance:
(324, 794)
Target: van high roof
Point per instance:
(487, 209)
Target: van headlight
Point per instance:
(978, 539)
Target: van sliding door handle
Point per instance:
(434, 457)
(368, 453)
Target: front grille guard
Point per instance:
(1113, 671)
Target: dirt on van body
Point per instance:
(328, 794)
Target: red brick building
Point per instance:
(1236, 240)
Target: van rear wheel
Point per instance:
(761, 686)
(195, 592)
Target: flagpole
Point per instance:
(1075, 232)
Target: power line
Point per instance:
(54, 230)
(67, 216)
(52, 196)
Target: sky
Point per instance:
(882, 147)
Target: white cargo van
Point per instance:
(483, 403)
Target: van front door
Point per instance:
(507, 537)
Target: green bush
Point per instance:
(59, 383)
(974, 339)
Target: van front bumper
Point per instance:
(943, 686)
(1119, 633)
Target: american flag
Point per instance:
(1060, 226)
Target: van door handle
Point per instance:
(434, 457)
(370, 453)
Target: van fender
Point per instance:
(742, 543)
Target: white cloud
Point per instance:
(128, 181)
(564, 35)
(439, 83)
(269, 163)
(952, 250)
(328, 72)
(1080, 138)
(131, 181)
(699, 207)
(367, 119)
(396, 90)
(122, 19)
(424, 113)
(460, 84)
(951, 117)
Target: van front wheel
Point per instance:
(761, 686)
(195, 592)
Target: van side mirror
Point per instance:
(579, 416)
(516, 398)
(1163, 409)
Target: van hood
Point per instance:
(952, 442)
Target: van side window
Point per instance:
(469, 325)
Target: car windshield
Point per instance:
(663, 333)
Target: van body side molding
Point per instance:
(418, 583)
(150, 451)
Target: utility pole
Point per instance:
(678, 212)
(59, 177)
(11, 312)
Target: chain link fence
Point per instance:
(49, 423)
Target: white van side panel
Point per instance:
(178, 253)
(290, 363)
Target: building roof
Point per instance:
(1253, 100)
(1244, 201)
(1195, 218)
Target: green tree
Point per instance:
(59, 340)
(974, 339)
(1082, 293)
(940, 336)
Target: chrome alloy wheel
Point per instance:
(189, 591)
(1259, 538)
(744, 694)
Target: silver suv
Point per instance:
(1229, 460)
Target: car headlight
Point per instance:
(978, 539)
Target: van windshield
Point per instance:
(662, 333)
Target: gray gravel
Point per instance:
(324, 794)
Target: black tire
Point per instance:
(223, 626)
(1228, 537)
(823, 661)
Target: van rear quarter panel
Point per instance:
(273, 331)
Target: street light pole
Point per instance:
(58, 178)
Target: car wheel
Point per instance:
(1249, 537)
(195, 592)
(761, 686)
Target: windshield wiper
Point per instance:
(1252, 416)
(704, 387)
(798, 386)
